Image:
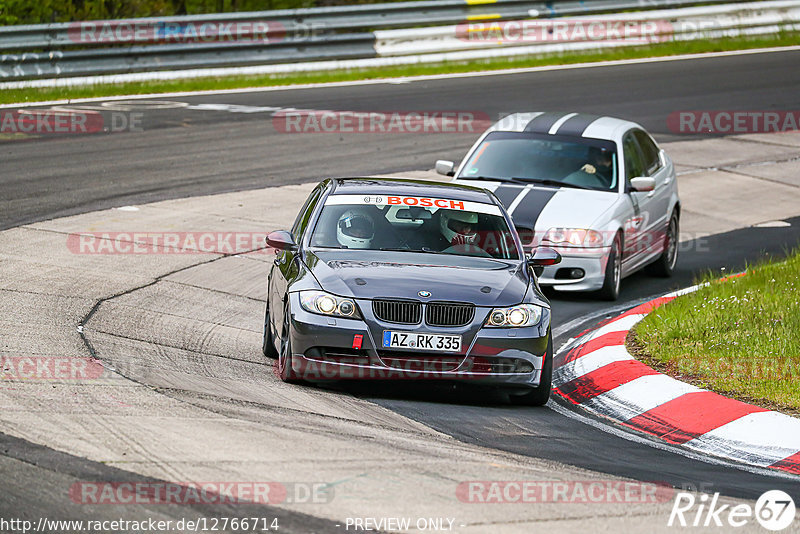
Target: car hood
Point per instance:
(377, 274)
(572, 208)
(542, 208)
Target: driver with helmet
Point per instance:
(458, 227)
(355, 229)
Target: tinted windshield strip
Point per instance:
(544, 122)
(577, 125)
(383, 200)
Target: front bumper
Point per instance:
(592, 261)
(323, 349)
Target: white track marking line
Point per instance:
(680, 451)
(591, 362)
(756, 434)
(617, 325)
(639, 396)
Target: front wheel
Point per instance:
(665, 264)
(539, 395)
(613, 274)
(268, 345)
(285, 371)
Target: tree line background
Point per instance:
(44, 11)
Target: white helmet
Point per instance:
(355, 229)
(458, 227)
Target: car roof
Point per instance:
(562, 123)
(410, 187)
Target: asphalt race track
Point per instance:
(186, 152)
(196, 149)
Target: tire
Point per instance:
(285, 371)
(613, 275)
(268, 346)
(539, 395)
(664, 266)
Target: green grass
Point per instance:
(9, 96)
(738, 337)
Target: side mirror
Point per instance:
(544, 257)
(445, 168)
(281, 240)
(643, 184)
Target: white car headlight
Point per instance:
(515, 316)
(577, 237)
(327, 304)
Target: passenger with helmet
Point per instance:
(355, 229)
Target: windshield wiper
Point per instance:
(556, 183)
(507, 179)
(406, 249)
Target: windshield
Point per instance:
(414, 224)
(555, 160)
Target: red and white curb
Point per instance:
(599, 375)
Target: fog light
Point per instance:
(567, 273)
(523, 366)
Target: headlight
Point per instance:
(515, 316)
(327, 304)
(578, 237)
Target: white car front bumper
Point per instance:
(591, 260)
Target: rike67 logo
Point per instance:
(774, 510)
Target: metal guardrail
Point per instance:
(356, 17)
(559, 34)
(261, 38)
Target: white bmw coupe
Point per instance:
(597, 189)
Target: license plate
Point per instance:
(418, 341)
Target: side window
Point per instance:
(634, 166)
(649, 151)
(301, 223)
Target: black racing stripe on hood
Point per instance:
(544, 122)
(506, 194)
(528, 211)
(577, 125)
